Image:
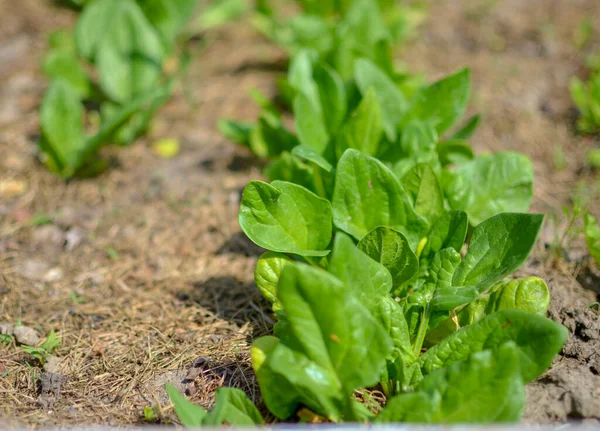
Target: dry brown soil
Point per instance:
(144, 273)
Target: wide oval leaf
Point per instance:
(367, 195)
(486, 388)
(489, 185)
(497, 248)
(443, 102)
(328, 323)
(538, 340)
(390, 248)
(287, 218)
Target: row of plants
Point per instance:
(390, 244)
(586, 96)
(109, 75)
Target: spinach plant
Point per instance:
(592, 236)
(117, 61)
(381, 288)
(389, 119)
(586, 96)
(340, 31)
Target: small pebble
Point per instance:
(54, 274)
(73, 238)
(33, 269)
(26, 335)
(49, 234)
(52, 365)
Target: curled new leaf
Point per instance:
(267, 273)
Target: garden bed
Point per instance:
(144, 272)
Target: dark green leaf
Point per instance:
(454, 152)
(466, 131)
(449, 231)
(391, 249)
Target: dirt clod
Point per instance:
(52, 365)
(50, 389)
(26, 335)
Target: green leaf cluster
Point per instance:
(232, 407)
(390, 303)
(339, 31)
(401, 126)
(390, 245)
(108, 76)
(586, 96)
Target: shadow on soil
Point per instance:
(229, 299)
(239, 244)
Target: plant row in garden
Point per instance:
(586, 96)
(108, 77)
(391, 245)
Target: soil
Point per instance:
(144, 273)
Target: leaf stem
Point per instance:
(423, 326)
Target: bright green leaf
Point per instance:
(367, 195)
(190, 414)
(267, 273)
(497, 248)
(489, 185)
(392, 101)
(287, 218)
(363, 130)
(538, 340)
